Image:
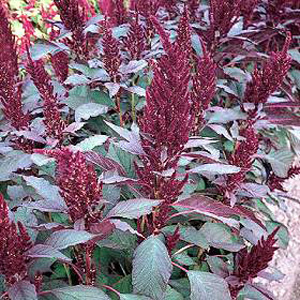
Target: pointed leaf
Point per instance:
(41, 250)
(65, 238)
(152, 268)
(79, 292)
(91, 142)
(133, 209)
(52, 202)
(88, 110)
(215, 169)
(207, 286)
(22, 290)
(209, 207)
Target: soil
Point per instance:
(288, 261)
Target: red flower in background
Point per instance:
(42, 80)
(14, 242)
(10, 84)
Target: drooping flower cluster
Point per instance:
(248, 265)
(276, 183)
(267, 80)
(166, 124)
(204, 87)
(111, 54)
(135, 40)
(42, 80)
(242, 157)
(60, 64)
(78, 184)
(73, 19)
(14, 242)
(10, 85)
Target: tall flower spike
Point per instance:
(223, 14)
(204, 87)
(135, 40)
(267, 80)
(166, 117)
(10, 85)
(111, 54)
(73, 20)
(115, 10)
(249, 264)
(78, 184)
(242, 157)
(60, 64)
(184, 34)
(54, 124)
(13, 245)
(165, 125)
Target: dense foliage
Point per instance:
(143, 145)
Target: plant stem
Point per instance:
(111, 289)
(67, 269)
(133, 107)
(183, 249)
(180, 267)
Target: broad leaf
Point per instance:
(52, 202)
(280, 161)
(152, 268)
(88, 110)
(209, 207)
(65, 238)
(12, 162)
(220, 236)
(208, 286)
(215, 169)
(41, 250)
(133, 209)
(91, 142)
(133, 297)
(22, 290)
(79, 292)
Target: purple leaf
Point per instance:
(104, 163)
(133, 209)
(22, 290)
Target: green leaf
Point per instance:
(194, 236)
(79, 292)
(215, 169)
(12, 162)
(251, 293)
(172, 294)
(88, 110)
(91, 142)
(77, 79)
(152, 268)
(280, 161)
(208, 286)
(133, 297)
(219, 236)
(133, 209)
(65, 238)
(40, 50)
(47, 251)
(22, 290)
(52, 202)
